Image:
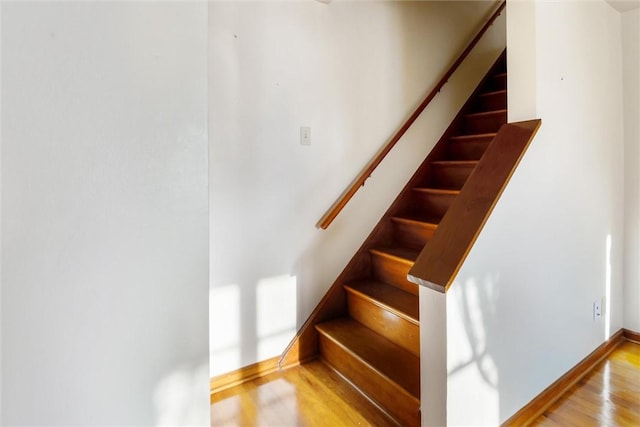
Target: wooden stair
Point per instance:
(367, 326)
(369, 361)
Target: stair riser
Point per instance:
(393, 272)
(495, 101)
(412, 235)
(467, 150)
(451, 176)
(391, 326)
(485, 123)
(432, 205)
(389, 395)
(498, 82)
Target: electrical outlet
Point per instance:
(597, 310)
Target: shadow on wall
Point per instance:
(488, 341)
(472, 315)
(177, 397)
(253, 321)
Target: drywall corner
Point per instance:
(1, 3)
(630, 22)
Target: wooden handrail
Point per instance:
(438, 263)
(335, 209)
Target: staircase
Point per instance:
(367, 327)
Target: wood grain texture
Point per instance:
(394, 300)
(412, 232)
(400, 367)
(335, 209)
(609, 395)
(451, 174)
(391, 265)
(485, 122)
(310, 395)
(386, 310)
(440, 260)
(314, 395)
(469, 147)
(631, 335)
(534, 409)
(391, 378)
(244, 374)
(434, 202)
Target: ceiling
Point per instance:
(624, 5)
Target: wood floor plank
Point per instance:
(307, 395)
(315, 396)
(607, 396)
(545, 421)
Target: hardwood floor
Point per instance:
(314, 395)
(307, 395)
(608, 396)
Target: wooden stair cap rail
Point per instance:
(437, 265)
(336, 208)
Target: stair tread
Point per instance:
(493, 92)
(442, 191)
(414, 229)
(462, 138)
(380, 354)
(418, 220)
(454, 162)
(388, 297)
(403, 254)
(486, 113)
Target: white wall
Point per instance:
(1, 211)
(631, 102)
(520, 310)
(521, 30)
(353, 72)
(104, 214)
